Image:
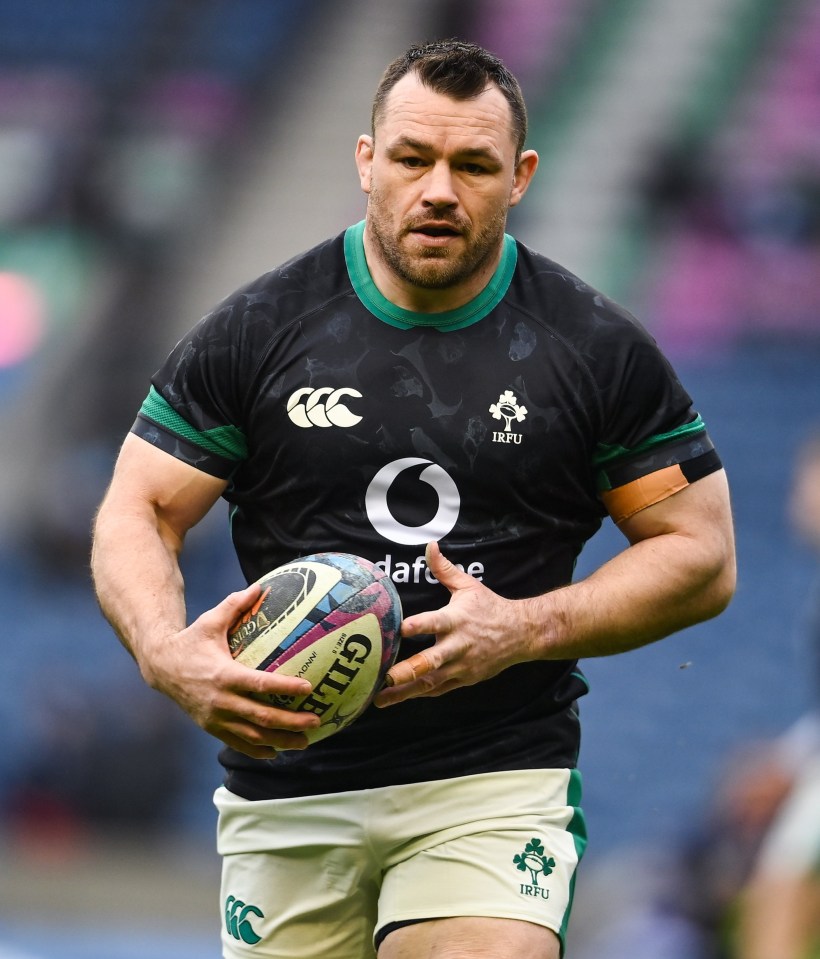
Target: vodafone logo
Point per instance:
(322, 407)
(388, 526)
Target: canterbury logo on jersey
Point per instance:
(322, 407)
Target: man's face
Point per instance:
(441, 177)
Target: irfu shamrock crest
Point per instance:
(534, 860)
(507, 409)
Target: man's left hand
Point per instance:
(478, 634)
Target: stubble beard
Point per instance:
(435, 268)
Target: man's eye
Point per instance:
(473, 168)
(412, 162)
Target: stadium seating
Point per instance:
(760, 269)
(726, 276)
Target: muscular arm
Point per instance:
(152, 502)
(678, 569)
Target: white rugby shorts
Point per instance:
(328, 876)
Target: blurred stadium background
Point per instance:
(156, 153)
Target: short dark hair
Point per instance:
(459, 70)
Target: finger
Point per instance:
(257, 737)
(436, 687)
(244, 747)
(258, 743)
(431, 684)
(445, 687)
(447, 573)
(409, 670)
(255, 708)
(235, 606)
(260, 682)
(272, 717)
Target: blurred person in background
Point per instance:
(446, 821)
(745, 881)
(779, 914)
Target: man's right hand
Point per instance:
(194, 668)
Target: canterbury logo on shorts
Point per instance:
(239, 920)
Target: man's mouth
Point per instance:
(436, 230)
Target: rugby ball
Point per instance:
(331, 618)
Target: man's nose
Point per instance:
(439, 189)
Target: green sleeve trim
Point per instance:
(228, 442)
(604, 455)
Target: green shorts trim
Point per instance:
(334, 869)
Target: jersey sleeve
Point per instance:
(194, 409)
(653, 442)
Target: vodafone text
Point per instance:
(413, 572)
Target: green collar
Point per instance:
(456, 319)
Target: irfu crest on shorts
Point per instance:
(532, 859)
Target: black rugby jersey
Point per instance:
(501, 429)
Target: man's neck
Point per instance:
(408, 296)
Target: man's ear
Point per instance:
(524, 172)
(364, 160)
